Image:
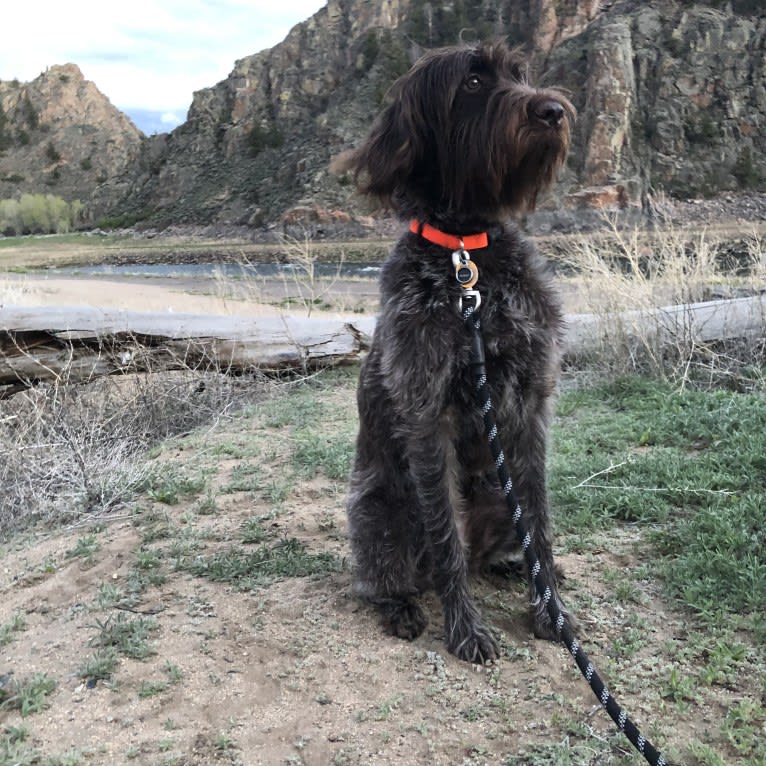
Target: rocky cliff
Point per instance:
(671, 96)
(59, 134)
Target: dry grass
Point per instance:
(12, 290)
(312, 280)
(623, 276)
(305, 283)
(70, 450)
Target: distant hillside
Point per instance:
(671, 95)
(59, 134)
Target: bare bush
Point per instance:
(68, 450)
(623, 276)
(310, 288)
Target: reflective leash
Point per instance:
(469, 305)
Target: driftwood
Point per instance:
(686, 325)
(79, 344)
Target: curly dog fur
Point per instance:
(464, 142)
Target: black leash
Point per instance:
(469, 305)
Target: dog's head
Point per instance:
(464, 137)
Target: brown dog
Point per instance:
(464, 142)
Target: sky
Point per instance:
(146, 56)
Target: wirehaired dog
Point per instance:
(464, 142)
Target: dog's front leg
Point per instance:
(466, 635)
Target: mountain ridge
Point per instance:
(671, 96)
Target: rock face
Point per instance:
(671, 96)
(60, 135)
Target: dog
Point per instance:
(464, 142)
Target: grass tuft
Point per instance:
(28, 696)
(622, 276)
(127, 636)
(100, 666)
(269, 562)
(9, 630)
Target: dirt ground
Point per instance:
(298, 672)
(293, 670)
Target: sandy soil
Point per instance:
(179, 296)
(299, 672)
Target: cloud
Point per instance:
(145, 54)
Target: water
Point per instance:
(215, 270)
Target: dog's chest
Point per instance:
(519, 311)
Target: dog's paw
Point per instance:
(545, 629)
(507, 569)
(473, 644)
(404, 619)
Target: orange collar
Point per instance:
(451, 241)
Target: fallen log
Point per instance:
(686, 325)
(77, 344)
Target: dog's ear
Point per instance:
(386, 159)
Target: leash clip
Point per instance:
(472, 296)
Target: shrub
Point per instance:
(52, 153)
(96, 439)
(5, 135)
(30, 114)
(260, 138)
(38, 214)
(747, 172)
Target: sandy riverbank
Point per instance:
(183, 296)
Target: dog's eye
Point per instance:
(473, 82)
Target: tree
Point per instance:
(6, 139)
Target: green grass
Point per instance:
(51, 243)
(151, 689)
(167, 485)
(563, 753)
(690, 466)
(743, 729)
(28, 695)
(253, 531)
(686, 470)
(118, 636)
(85, 548)
(326, 452)
(10, 629)
(250, 569)
(128, 636)
(100, 666)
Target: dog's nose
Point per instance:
(548, 111)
